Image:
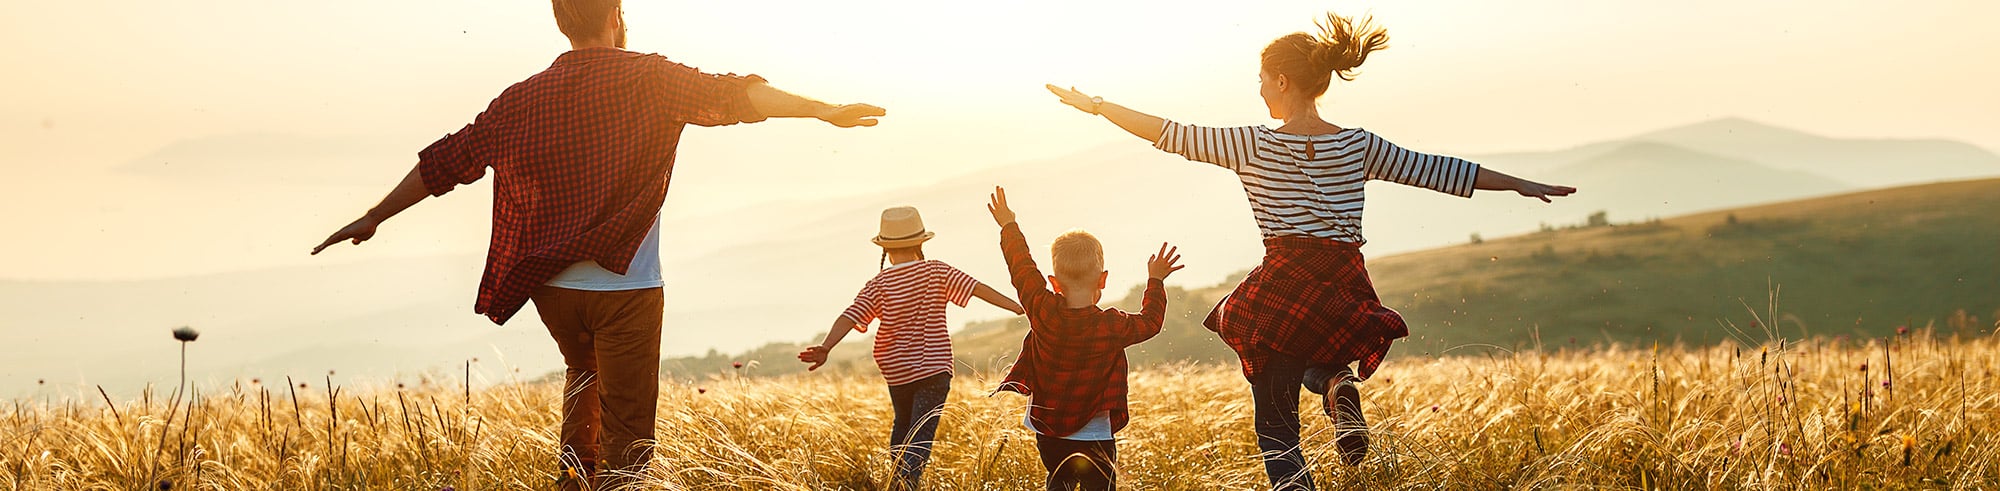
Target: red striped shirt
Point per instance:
(909, 299)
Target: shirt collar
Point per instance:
(591, 54)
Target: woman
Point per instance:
(1308, 312)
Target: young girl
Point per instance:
(912, 348)
(1308, 311)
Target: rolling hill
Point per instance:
(1858, 264)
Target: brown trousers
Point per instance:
(610, 342)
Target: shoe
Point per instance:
(1343, 405)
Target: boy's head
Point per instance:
(1079, 264)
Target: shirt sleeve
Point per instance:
(865, 308)
(706, 99)
(1388, 162)
(458, 158)
(957, 285)
(1228, 148)
(1021, 269)
(1152, 314)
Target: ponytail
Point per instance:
(1311, 61)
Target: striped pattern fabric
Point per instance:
(1312, 185)
(909, 299)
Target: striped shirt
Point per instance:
(1311, 185)
(909, 298)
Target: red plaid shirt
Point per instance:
(1073, 361)
(581, 155)
(1310, 299)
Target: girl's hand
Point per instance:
(1078, 100)
(815, 355)
(1541, 191)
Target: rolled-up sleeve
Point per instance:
(452, 160)
(704, 99)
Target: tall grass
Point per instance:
(1777, 415)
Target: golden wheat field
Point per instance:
(1911, 411)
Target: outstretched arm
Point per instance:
(1491, 180)
(776, 103)
(994, 297)
(407, 193)
(816, 355)
(1139, 124)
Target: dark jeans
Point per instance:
(1092, 465)
(918, 405)
(1276, 395)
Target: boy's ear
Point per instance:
(1102, 278)
(1055, 284)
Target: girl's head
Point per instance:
(902, 234)
(1297, 67)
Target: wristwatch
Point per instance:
(1096, 105)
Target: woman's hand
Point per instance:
(1080, 101)
(1541, 191)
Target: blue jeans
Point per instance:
(918, 406)
(1275, 393)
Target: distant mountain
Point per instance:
(1650, 179)
(1858, 162)
(280, 158)
(1859, 264)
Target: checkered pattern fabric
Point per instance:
(1073, 360)
(1310, 299)
(581, 155)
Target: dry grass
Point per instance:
(1775, 416)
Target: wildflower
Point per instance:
(1781, 399)
(185, 334)
(1434, 408)
(1885, 384)
(1785, 449)
(701, 390)
(302, 385)
(41, 382)
(256, 381)
(1864, 366)
(1902, 330)
(166, 485)
(738, 365)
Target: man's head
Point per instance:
(590, 23)
(1079, 265)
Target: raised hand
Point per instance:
(361, 230)
(1072, 97)
(1164, 263)
(1541, 191)
(998, 207)
(852, 115)
(815, 355)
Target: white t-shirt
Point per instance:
(642, 274)
(1097, 430)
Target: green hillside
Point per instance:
(1857, 264)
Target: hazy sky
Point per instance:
(96, 85)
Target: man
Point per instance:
(582, 153)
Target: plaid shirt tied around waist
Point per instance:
(1310, 299)
(581, 155)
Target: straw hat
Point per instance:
(902, 227)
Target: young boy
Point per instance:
(912, 348)
(1072, 363)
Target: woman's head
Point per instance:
(1297, 67)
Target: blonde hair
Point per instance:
(1311, 61)
(1077, 256)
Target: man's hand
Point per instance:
(362, 229)
(815, 355)
(998, 207)
(851, 115)
(1072, 97)
(1164, 263)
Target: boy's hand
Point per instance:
(1001, 215)
(815, 355)
(1164, 263)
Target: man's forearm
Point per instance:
(407, 193)
(775, 103)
